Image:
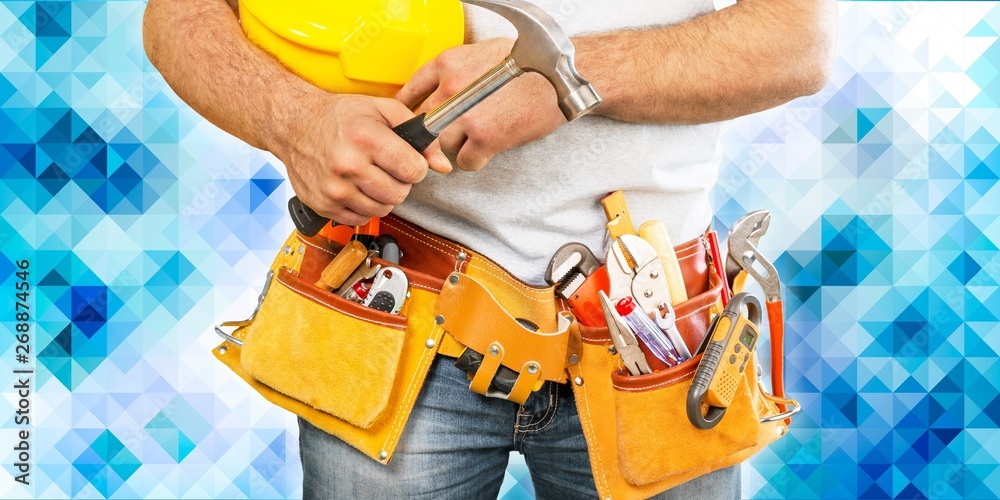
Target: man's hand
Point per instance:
(345, 162)
(523, 111)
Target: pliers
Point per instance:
(743, 255)
(625, 342)
(634, 268)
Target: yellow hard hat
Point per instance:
(367, 47)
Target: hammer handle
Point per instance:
(420, 131)
(308, 222)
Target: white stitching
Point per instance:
(517, 288)
(661, 384)
(548, 410)
(418, 239)
(458, 264)
(392, 436)
(345, 313)
(425, 287)
(593, 438)
(702, 308)
(317, 247)
(554, 406)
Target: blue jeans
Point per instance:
(457, 443)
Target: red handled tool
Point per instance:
(743, 260)
(578, 276)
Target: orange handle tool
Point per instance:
(776, 320)
(585, 303)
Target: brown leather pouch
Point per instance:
(350, 370)
(638, 434)
(355, 372)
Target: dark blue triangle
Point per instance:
(267, 186)
(54, 278)
(911, 492)
(124, 178)
(53, 179)
(60, 131)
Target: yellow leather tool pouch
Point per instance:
(355, 372)
(350, 370)
(640, 440)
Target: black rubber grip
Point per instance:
(415, 132)
(306, 220)
(699, 386)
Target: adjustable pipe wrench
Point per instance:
(743, 255)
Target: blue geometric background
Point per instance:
(144, 224)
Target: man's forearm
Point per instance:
(751, 56)
(201, 51)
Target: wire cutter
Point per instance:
(625, 342)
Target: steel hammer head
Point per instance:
(543, 47)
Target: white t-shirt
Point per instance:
(529, 201)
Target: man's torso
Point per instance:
(529, 201)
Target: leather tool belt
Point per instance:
(355, 371)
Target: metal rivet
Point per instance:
(302, 249)
(661, 306)
(574, 359)
(382, 455)
(578, 381)
(781, 431)
(453, 279)
(647, 293)
(287, 250)
(439, 319)
(532, 368)
(461, 256)
(612, 349)
(222, 350)
(407, 294)
(494, 350)
(654, 274)
(429, 344)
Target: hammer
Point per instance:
(541, 47)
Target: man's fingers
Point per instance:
(337, 212)
(361, 204)
(398, 158)
(420, 85)
(393, 111)
(436, 158)
(381, 187)
(452, 139)
(349, 217)
(471, 158)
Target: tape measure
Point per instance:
(731, 339)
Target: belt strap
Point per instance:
(470, 313)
